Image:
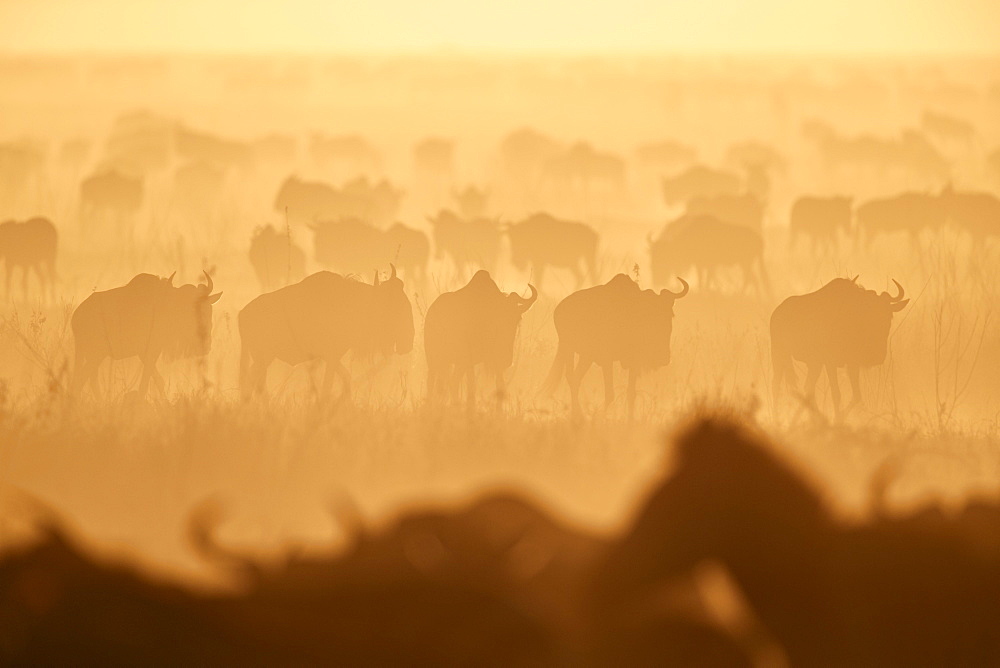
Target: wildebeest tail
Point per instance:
(560, 367)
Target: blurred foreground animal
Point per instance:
(614, 322)
(473, 325)
(708, 244)
(917, 590)
(819, 219)
(320, 318)
(276, 259)
(839, 325)
(146, 318)
(110, 198)
(541, 241)
(468, 243)
(30, 245)
(700, 181)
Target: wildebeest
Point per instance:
(839, 325)
(30, 245)
(475, 324)
(320, 318)
(614, 322)
(700, 181)
(204, 147)
(308, 200)
(918, 589)
(977, 213)
(745, 153)
(541, 241)
(666, 155)
(819, 219)
(110, 196)
(745, 210)
(147, 318)
(434, 156)
(140, 142)
(910, 212)
(471, 201)
(348, 154)
(276, 259)
(707, 244)
(467, 242)
(582, 168)
(948, 128)
(351, 245)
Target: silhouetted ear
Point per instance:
(214, 298)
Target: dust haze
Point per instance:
(279, 319)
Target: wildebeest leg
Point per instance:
(854, 374)
(831, 374)
(609, 383)
(501, 387)
(633, 377)
(574, 377)
(811, 377)
(470, 386)
(148, 369)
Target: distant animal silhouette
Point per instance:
(110, 198)
(910, 212)
(30, 245)
(974, 212)
(198, 146)
(582, 168)
(541, 241)
(922, 589)
(468, 243)
(471, 201)
(410, 250)
(667, 155)
(351, 245)
(276, 259)
(350, 154)
(745, 210)
(524, 154)
(275, 150)
(614, 322)
(707, 244)
(819, 219)
(993, 164)
(700, 181)
(948, 128)
(140, 143)
(841, 325)
(146, 318)
(744, 153)
(434, 156)
(473, 325)
(308, 201)
(320, 318)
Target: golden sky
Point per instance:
(844, 26)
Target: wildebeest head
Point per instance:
(190, 312)
(394, 324)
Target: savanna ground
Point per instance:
(127, 472)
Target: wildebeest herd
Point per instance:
(392, 280)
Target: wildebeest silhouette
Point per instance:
(708, 244)
(948, 128)
(147, 318)
(819, 219)
(839, 325)
(275, 150)
(745, 153)
(434, 157)
(909, 212)
(666, 155)
(198, 146)
(700, 181)
(473, 325)
(614, 322)
(993, 164)
(745, 209)
(110, 198)
(30, 245)
(351, 245)
(541, 241)
(276, 259)
(468, 243)
(310, 200)
(349, 154)
(140, 142)
(917, 590)
(524, 153)
(582, 168)
(320, 318)
(471, 201)
(974, 212)
(910, 154)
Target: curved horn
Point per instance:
(209, 283)
(855, 279)
(170, 278)
(393, 274)
(526, 303)
(684, 290)
(377, 280)
(901, 291)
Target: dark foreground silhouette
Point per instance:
(501, 582)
